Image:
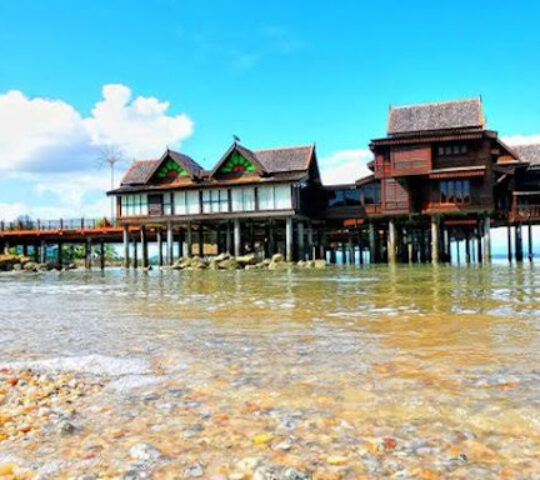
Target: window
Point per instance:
(455, 191)
(215, 201)
(243, 199)
(167, 204)
(449, 150)
(337, 199)
(193, 205)
(274, 197)
(179, 199)
(372, 194)
(133, 205)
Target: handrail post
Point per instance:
(61, 224)
(82, 223)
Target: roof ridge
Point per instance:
(441, 102)
(283, 148)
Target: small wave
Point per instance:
(90, 364)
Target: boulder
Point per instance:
(278, 266)
(319, 263)
(182, 263)
(277, 257)
(228, 264)
(31, 267)
(222, 256)
(301, 263)
(7, 262)
(249, 259)
(198, 263)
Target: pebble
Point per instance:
(144, 452)
(65, 428)
(194, 471)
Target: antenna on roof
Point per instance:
(236, 139)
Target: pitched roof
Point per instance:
(455, 114)
(529, 154)
(285, 159)
(185, 161)
(140, 171)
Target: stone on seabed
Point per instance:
(145, 452)
(277, 257)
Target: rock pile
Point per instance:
(250, 261)
(10, 262)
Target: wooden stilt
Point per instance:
(391, 241)
(201, 240)
(135, 253)
(237, 238)
(125, 234)
(159, 242)
(509, 242)
(289, 239)
(487, 240)
(88, 254)
(60, 254)
(170, 256)
(468, 247)
(144, 247)
(530, 242)
(102, 254)
(372, 244)
(434, 240)
(189, 240)
(518, 242)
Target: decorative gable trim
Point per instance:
(238, 156)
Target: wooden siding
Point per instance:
(395, 196)
(414, 160)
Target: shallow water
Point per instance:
(445, 361)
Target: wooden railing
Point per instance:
(60, 224)
(528, 211)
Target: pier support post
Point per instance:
(144, 247)
(25, 249)
(88, 254)
(36, 252)
(518, 242)
(530, 238)
(125, 234)
(391, 241)
(170, 258)
(271, 238)
(311, 245)
(102, 254)
(60, 254)
(487, 240)
(43, 252)
(289, 239)
(135, 253)
(350, 248)
(509, 242)
(479, 242)
(189, 240)
(237, 237)
(434, 240)
(300, 240)
(181, 242)
(201, 240)
(159, 242)
(468, 247)
(228, 238)
(372, 244)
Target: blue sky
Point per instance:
(274, 73)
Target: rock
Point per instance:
(31, 267)
(182, 263)
(144, 452)
(248, 464)
(277, 257)
(221, 257)
(65, 428)
(198, 263)
(228, 264)
(8, 261)
(267, 473)
(284, 445)
(135, 475)
(249, 259)
(194, 471)
(319, 263)
(237, 476)
(295, 474)
(301, 263)
(278, 266)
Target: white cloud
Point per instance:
(345, 166)
(42, 135)
(522, 139)
(49, 143)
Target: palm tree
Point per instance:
(110, 155)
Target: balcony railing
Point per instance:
(60, 224)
